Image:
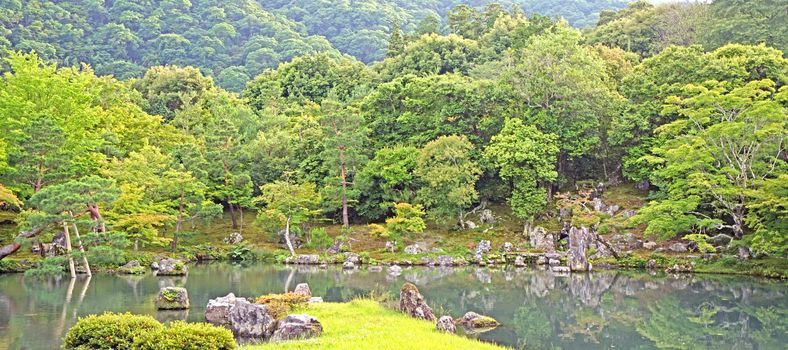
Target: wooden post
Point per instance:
(68, 251)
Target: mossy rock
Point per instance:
(172, 298)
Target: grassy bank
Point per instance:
(367, 325)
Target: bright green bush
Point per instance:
(319, 238)
(109, 331)
(186, 336)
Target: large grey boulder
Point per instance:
(218, 310)
(303, 288)
(472, 320)
(519, 261)
(720, 240)
(312, 259)
(486, 217)
(540, 239)
(678, 247)
(446, 324)
(412, 303)
(579, 240)
(249, 320)
(172, 298)
(172, 267)
(297, 327)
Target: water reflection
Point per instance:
(538, 309)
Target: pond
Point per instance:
(537, 309)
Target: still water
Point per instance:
(537, 309)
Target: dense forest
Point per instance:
(488, 104)
(233, 42)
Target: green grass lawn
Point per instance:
(367, 325)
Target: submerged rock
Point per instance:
(412, 303)
(446, 324)
(347, 265)
(172, 298)
(395, 270)
(172, 267)
(297, 327)
(375, 268)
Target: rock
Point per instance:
(312, 259)
(233, 238)
(520, 262)
(375, 269)
(650, 245)
(628, 213)
(353, 258)
(303, 288)
(719, 240)
(154, 266)
(678, 247)
(445, 260)
(598, 204)
(579, 240)
(679, 268)
(483, 247)
(507, 247)
(486, 217)
(560, 269)
(744, 253)
(413, 249)
(540, 239)
(218, 310)
(470, 225)
(472, 320)
(412, 303)
(446, 324)
(643, 185)
(172, 298)
(564, 214)
(249, 320)
(294, 240)
(391, 246)
(172, 267)
(427, 261)
(651, 264)
(611, 210)
(297, 327)
(395, 270)
(553, 262)
(132, 268)
(347, 265)
(315, 300)
(338, 246)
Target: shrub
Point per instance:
(240, 252)
(319, 238)
(109, 331)
(700, 240)
(279, 305)
(106, 256)
(409, 219)
(48, 267)
(186, 336)
(377, 230)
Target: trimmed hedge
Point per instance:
(109, 331)
(136, 332)
(187, 336)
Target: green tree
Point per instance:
(287, 204)
(387, 179)
(449, 177)
(526, 157)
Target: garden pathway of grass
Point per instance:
(367, 325)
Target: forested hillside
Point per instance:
(504, 108)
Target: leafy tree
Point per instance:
(287, 203)
(724, 143)
(343, 151)
(387, 179)
(433, 54)
(448, 175)
(526, 157)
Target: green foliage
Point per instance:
(240, 252)
(109, 331)
(700, 240)
(449, 176)
(319, 238)
(279, 305)
(409, 220)
(48, 267)
(106, 256)
(180, 335)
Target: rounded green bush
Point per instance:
(186, 336)
(109, 331)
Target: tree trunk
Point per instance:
(343, 175)
(71, 269)
(241, 224)
(738, 222)
(82, 249)
(9, 249)
(287, 237)
(461, 219)
(136, 244)
(95, 214)
(232, 213)
(178, 221)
